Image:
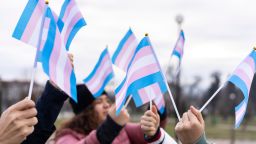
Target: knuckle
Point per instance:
(24, 132)
(34, 121)
(34, 112)
(186, 127)
(193, 124)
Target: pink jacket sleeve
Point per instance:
(74, 138)
(134, 133)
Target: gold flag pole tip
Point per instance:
(146, 34)
(46, 1)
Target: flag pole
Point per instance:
(165, 81)
(213, 96)
(127, 102)
(37, 52)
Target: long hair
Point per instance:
(82, 123)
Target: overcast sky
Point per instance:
(219, 34)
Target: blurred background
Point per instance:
(219, 34)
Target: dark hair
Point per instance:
(83, 123)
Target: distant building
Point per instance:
(13, 91)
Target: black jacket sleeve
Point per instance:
(48, 108)
(108, 131)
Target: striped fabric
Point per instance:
(179, 46)
(125, 51)
(54, 57)
(242, 78)
(101, 74)
(29, 25)
(73, 21)
(144, 77)
(153, 91)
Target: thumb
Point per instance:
(154, 109)
(197, 113)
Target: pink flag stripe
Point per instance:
(100, 75)
(142, 58)
(241, 112)
(69, 8)
(147, 70)
(55, 56)
(100, 83)
(68, 72)
(120, 96)
(243, 76)
(75, 19)
(55, 61)
(146, 94)
(126, 52)
(36, 18)
(102, 68)
(159, 98)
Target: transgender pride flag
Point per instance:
(179, 46)
(179, 50)
(54, 57)
(125, 51)
(73, 21)
(101, 74)
(29, 25)
(144, 79)
(242, 78)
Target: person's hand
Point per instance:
(191, 126)
(150, 122)
(17, 122)
(122, 118)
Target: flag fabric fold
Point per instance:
(242, 78)
(54, 57)
(28, 27)
(72, 20)
(125, 51)
(144, 78)
(101, 74)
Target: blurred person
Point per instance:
(17, 122)
(96, 122)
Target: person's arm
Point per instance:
(17, 122)
(48, 107)
(202, 140)
(111, 127)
